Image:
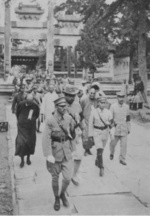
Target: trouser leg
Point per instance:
(77, 164)
(22, 162)
(28, 159)
(123, 148)
(55, 170)
(38, 124)
(113, 144)
(67, 167)
(100, 158)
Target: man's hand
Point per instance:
(50, 159)
(77, 118)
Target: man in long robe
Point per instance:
(88, 103)
(27, 113)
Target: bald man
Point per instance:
(27, 113)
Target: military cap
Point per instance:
(84, 82)
(28, 78)
(35, 86)
(60, 101)
(71, 82)
(102, 99)
(47, 78)
(120, 94)
(95, 85)
(70, 89)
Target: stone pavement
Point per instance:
(124, 190)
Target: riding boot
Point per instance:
(100, 160)
(65, 184)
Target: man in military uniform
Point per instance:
(99, 122)
(29, 85)
(74, 109)
(57, 148)
(121, 119)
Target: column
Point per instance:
(50, 38)
(7, 34)
(69, 60)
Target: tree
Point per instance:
(137, 11)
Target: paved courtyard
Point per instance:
(124, 190)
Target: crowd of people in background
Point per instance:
(75, 119)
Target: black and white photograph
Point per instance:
(74, 107)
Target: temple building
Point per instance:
(29, 27)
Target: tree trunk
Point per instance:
(142, 45)
(131, 66)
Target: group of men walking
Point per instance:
(76, 119)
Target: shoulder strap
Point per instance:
(101, 118)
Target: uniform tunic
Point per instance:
(73, 109)
(122, 128)
(100, 136)
(47, 106)
(61, 151)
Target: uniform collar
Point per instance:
(58, 116)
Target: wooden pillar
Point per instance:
(7, 34)
(50, 38)
(69, 60)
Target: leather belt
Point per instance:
(60, 139)
(101, 128)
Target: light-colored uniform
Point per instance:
(97, 129)
(47, 106)
(55, 143)
(75, 109)
(120, 115)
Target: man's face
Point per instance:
(51, 88)
(70, 98)
(22, 88)
(80, 93)
(61, 109)
(121, 99)
(101, 105)
(92, 94)
(28, 81)
(35, 89)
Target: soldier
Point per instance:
(74, 109)
(121, 119)
(29, 85)
(46, 85)
(99, 123)
(58, 134)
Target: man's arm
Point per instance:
(14, 104)
(128, 118)
(46, 139)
